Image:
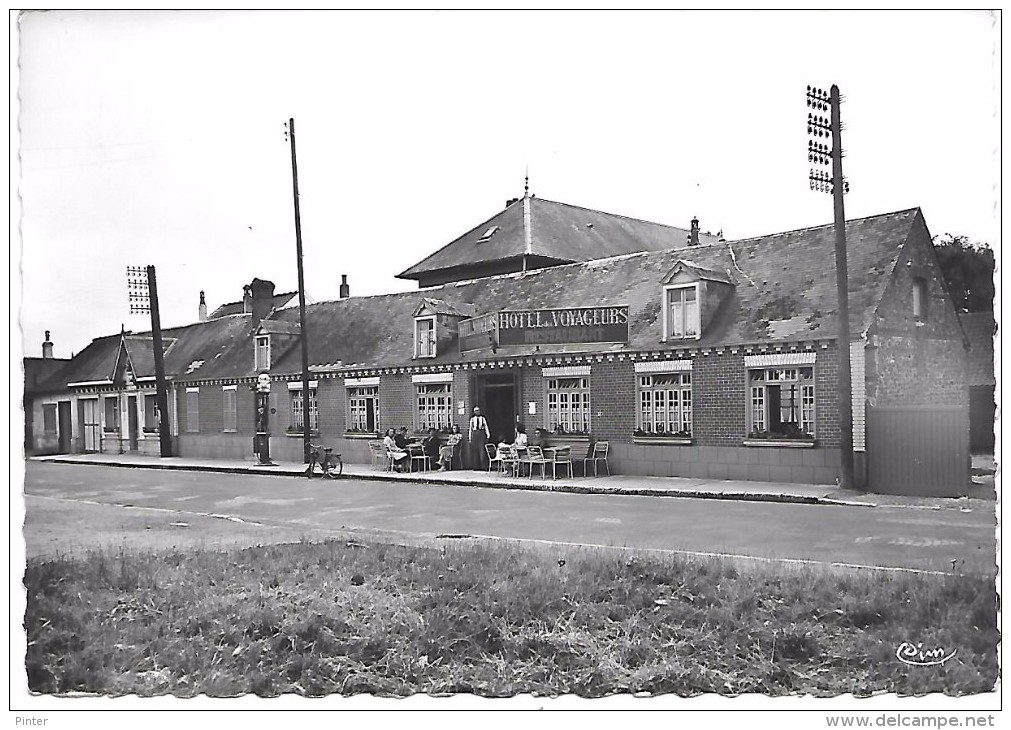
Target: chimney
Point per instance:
(262, 295)
(345, 290)
(47, 348)
(202, 309)
(247, 299)
(693, 238)
(511, 201)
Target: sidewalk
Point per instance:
(615, 484)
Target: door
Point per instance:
(90, 425)
(918, 450)
(497, 396)
(64, 429)
(132, 420)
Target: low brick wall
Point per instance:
(746, 463)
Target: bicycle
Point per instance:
(330, 465)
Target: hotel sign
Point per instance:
(545, 326)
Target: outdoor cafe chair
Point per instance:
(535, 455)
(493, 457)
(598, 453)
(561, 456)
(417, 454)
(380, 459)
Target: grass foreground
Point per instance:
(347, 618)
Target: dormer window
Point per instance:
(424, 337)
(681, 312)
(262, 353)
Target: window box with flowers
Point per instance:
(360, 433)
(789, 437)
(661, 437)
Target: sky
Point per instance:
(157, 138)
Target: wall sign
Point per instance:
(545, 326)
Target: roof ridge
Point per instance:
(619, 215)
(823, 225)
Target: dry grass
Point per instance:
(339, 617)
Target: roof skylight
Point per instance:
(487, 234)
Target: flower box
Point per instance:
(655, 440)
(787, 443)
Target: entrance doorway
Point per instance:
(131, 415)
(64, 428)
(498, 398)
(90, 426)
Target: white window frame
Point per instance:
(430, 347)
(258, 365)
(804, 406)
(150, 399)
(358, 397)
(666, 308)
(665, 408)
(295, 408)
(433, 406)
(568, 404)
(229, 405)
(193, 410)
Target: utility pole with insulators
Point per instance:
(142, 285)
(825, 149)
(303, 335)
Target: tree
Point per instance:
(968, 271)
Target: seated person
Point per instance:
(400, 438)
(396, 453)
(520, 443)
(431, 445)
(447, 452)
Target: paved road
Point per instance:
(899, 537)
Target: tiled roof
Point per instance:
(277, 327)
(226, 310)
(40, 369)
(979, 328)
(456, 309)
(785, 290)
(226, 339)
(559, 231)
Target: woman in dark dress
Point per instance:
(478, 435)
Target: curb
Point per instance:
(560, 487)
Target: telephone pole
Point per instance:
(825, 153)
(143, 293)
(303, 335)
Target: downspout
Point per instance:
(527, 233)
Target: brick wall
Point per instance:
(911, 362)
(826, 397)
(612, 400)
(331, 399)
(719, 400)
(461, 392)
(532, 389)
(396, 401)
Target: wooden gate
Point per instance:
(918, 450)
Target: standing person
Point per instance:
(478, 435)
